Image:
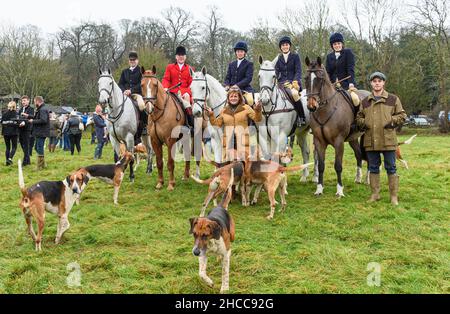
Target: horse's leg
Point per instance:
(263, 142)
(320, 149)
(339, 154)
(148, 147)
(171, 164)
(358, 155)
(315, 178)
(157, 148)
(188, 152)
(116, 148)
(130, 148)
(303, 143)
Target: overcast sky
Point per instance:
(51, 15)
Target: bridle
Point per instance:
(270, 90)
(316, 96)
(154, 99)
(110, 93)
(201, 102)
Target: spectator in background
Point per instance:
(55, 129)
(41, 129)
(84, 119)
(25, 113)
(99, 125)
(10, 131)
(65, 135)
(74, 131)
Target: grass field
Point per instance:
(319, 245)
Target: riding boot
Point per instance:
(300, 112)
(375, 186)
(393, 188)
(190, 120)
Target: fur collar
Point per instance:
(230, 112)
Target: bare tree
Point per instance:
(373, 24)
(179, 28)
(309, 26)
(27, 67)
(431, 17)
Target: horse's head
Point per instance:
(105, 86)
(267, 80)
(150, 85)
(315, 80)
(200, 91)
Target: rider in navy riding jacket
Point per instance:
(240, 72)
(288, 69)
(241, 76)
(341, 64)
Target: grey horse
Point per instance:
(279, 117)
(123, 116)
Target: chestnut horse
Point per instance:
(331, 119)
(165, 125)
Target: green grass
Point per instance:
(319, 245)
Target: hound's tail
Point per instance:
(21, 180)
(295, 168)
(205, 182)
(408, 141)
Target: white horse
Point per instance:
(208, 92)
(279, 117)
(122, 121)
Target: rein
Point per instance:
(273, 109)
(113, 120)
(199, 101)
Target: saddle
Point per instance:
(287, 93)
(354, 107)
(352, 102)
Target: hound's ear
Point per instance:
(142, 69)
(109, 71)
(319, 61)
(204, 71)
(154, 70)
(216, 230)
(192, 221)
(85, 179)
(68, 180)
(307, 61)
(260, 60)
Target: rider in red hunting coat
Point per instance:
(179, 72)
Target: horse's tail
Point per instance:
(295, 168)
(205, 182)
(408, 141)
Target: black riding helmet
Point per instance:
(241, 45)
(284, 40)
(336, 38)
(132, 55)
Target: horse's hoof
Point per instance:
(170, 187)
(159, 186)
(254, 202)
(270, 217)
(315, 180)
(339, 196)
